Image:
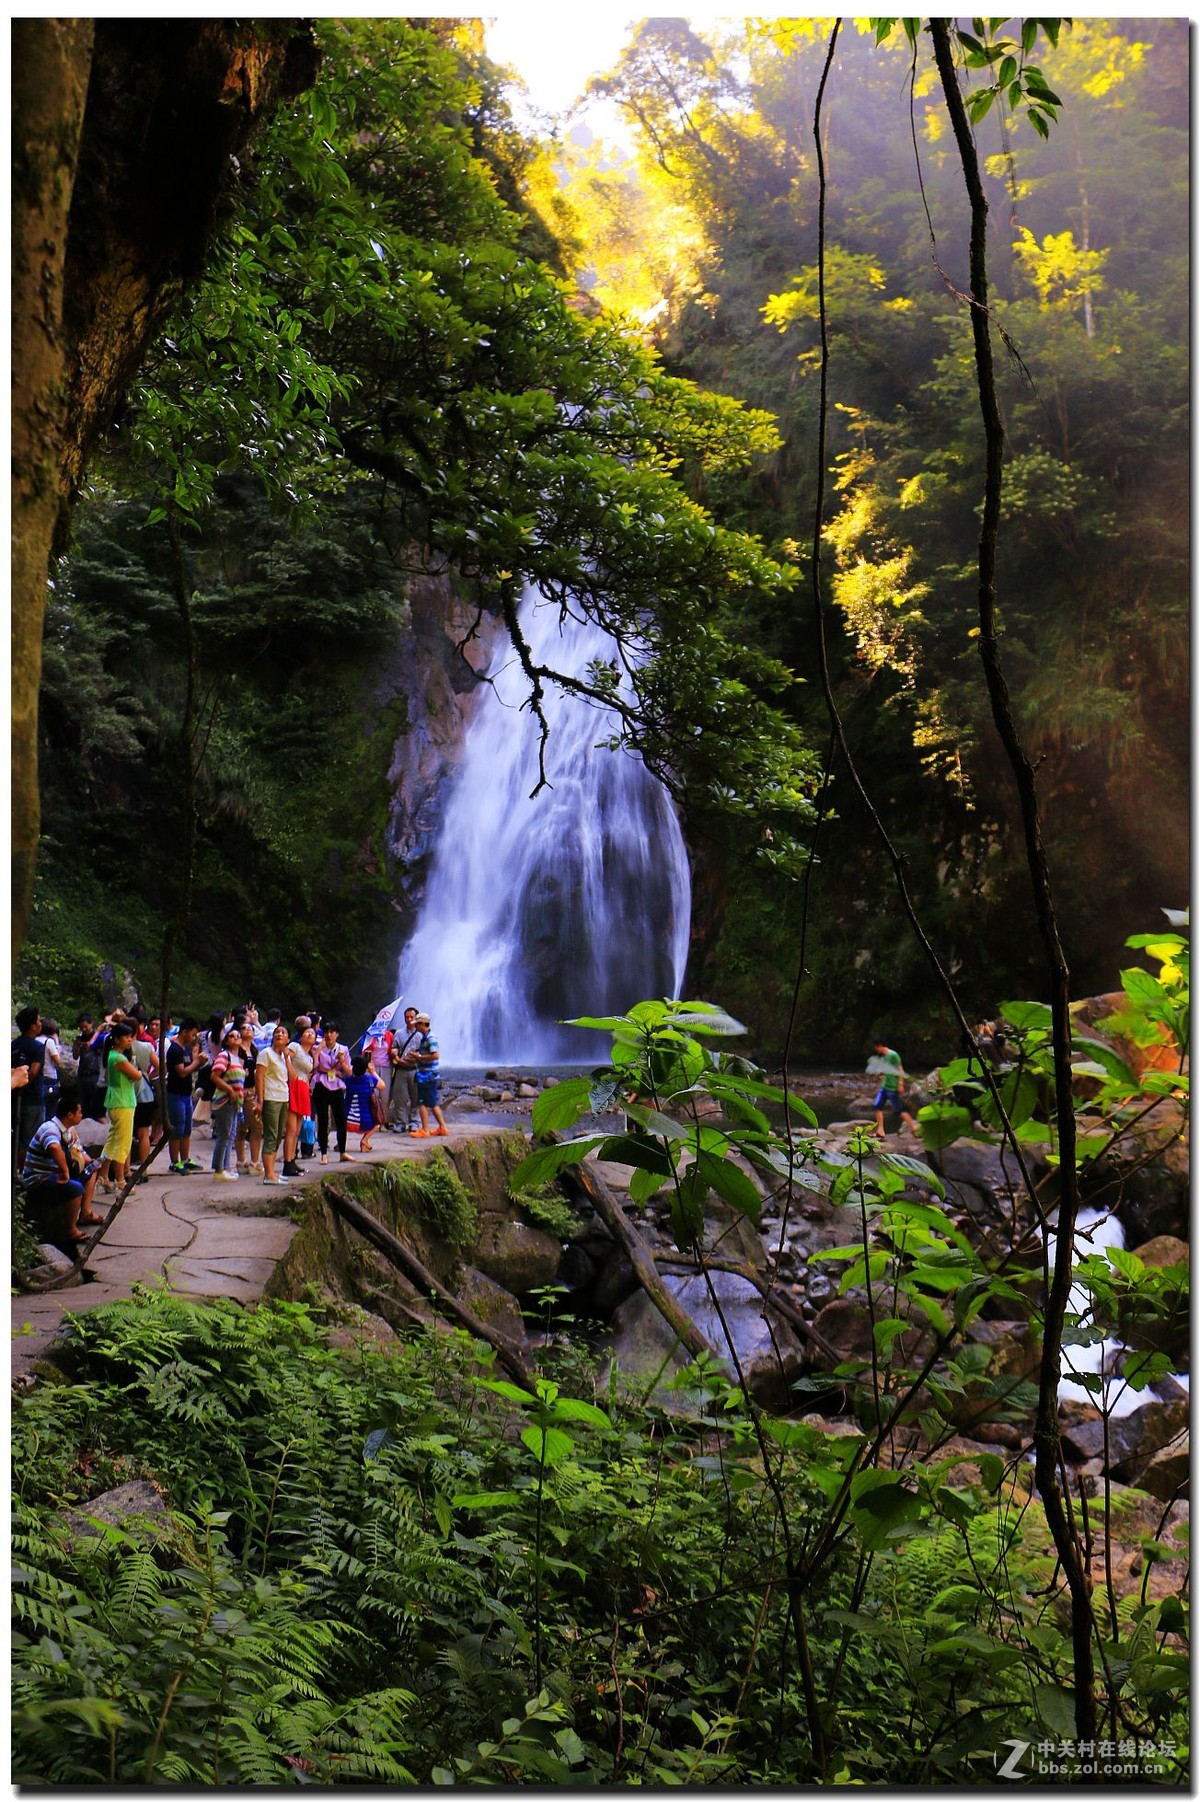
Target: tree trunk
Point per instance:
(51, 63)
(125, 133)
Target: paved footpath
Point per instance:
(200, 1237)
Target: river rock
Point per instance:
(577, 1271)
(526, 1091)
(516, 1256)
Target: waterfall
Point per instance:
(1094, 1230)
(575, 902)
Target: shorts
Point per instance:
(119, 1142)
(180, 1111)
(429, 1093)
(144, 1115)
(890, 1099)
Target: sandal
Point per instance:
(91, 1220)
(440, 1132)
(418, 1132)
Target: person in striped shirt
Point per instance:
(57, 1201)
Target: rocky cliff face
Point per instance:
(436, 671)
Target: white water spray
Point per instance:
(575, 902)
(1094, 1231)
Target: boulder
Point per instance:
(1145, 1179)
(616, 1279)
(527, 1091)
(518, 1257)
(55, 1263)
(137, 1508)
(488, 1302)
(1168, 1473)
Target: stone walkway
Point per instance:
(200, 1237)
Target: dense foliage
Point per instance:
(372, 351)
(1089, 287)
(377, 379)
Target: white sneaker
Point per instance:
(225, 1176)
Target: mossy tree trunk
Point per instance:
(124, 134)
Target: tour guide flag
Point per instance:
(383, 1019)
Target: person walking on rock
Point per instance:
(887, 1066)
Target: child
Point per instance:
(360, 1093)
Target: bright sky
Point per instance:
(555, 52)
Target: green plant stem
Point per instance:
(1046, 1435)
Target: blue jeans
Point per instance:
(224, 1125)
(179, 1115)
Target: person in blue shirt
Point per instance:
(429, 1083)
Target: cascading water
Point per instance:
(1094, 1230)
(575, 902)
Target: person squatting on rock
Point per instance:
(58, 1180)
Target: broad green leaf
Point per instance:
(511, 1391)
(1055, 1708)
(654, 1122)
(485, 1498)
(643, 1184)
(730, 1183)
(906, 1166)
(643, 1154)
(1027, 1016)
(549, 1445)
(570, 1409)
(546, 1162)
(559, 1108)
(940, 1123)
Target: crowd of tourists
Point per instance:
(270, 1094)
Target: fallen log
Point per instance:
(399, 1255)
(597, 1191)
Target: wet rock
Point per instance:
(615, 1282)
(578, 1270)
(526, 1091)
(359, 1330)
